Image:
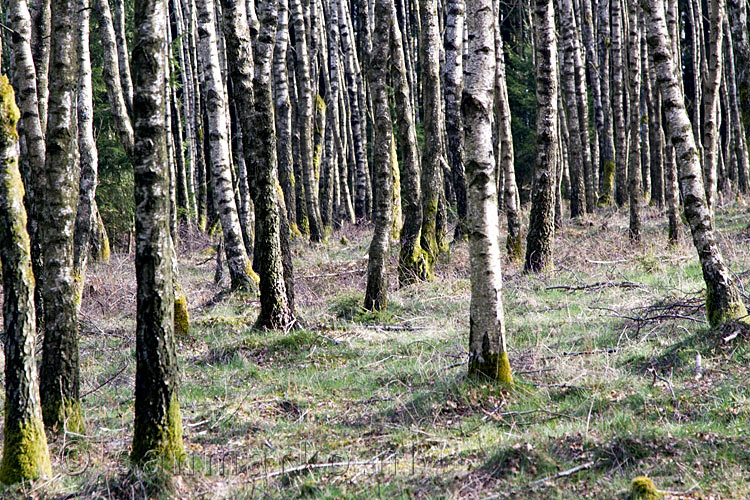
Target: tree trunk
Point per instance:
(723, 299)
(634, 167)
(123, 58)
(618, 111)
(239, 264)
(257, 120)
(359, 135)
(31, 130)
(711, 103)
(284, 115)
(735, 118)
(453, 85)
(158, 425)
(607, 149)
(488, 354)
(432, 156)
(84, 222)
(25, 453)
(305, 125)
(413, 262)
(41, 24)
(111, 71)
(511, 199)
(60, 370)
(376, 298)
(541, 219)
(575, 152)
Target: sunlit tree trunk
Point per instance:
(488, 355)
(711, 102)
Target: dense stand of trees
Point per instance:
(266, 121)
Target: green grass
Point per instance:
(605, 377)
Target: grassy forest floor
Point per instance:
(603, 348)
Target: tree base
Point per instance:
(181, 314)
(492, 366)
(163, 443)
(64, 415)
(25, 453)
(414, 266)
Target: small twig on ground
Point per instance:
(394, 328)
(110, 379)
(564, 473)
(666, 381)
(597, 286)
(583, 353)
(331, 275)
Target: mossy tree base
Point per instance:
(160, 443)
(181, 314)
(514, 247)
(64, 415)
(414, 265)
(492, 366)
(25, 453)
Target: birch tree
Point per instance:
(488, 355)
(60, 368)
(238, 261)
(25, 453)
(157, 430)
(541, 219)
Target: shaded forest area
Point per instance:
(358, 248)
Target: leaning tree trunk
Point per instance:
(25, 453)
(634, 167)
(511, 199)
(541, 219)
(711, 103)
(240, 270)
(723, 299)
(123, 58)
(376, 297)
(157, 433)
(488, 355)
(60, 370)
(413, 261)
(453, 85)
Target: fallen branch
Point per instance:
(330, 275)
(583, 353)
(310, 467)
(597, 286)
(564, 473)
(110, 379)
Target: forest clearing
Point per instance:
(603, 351)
